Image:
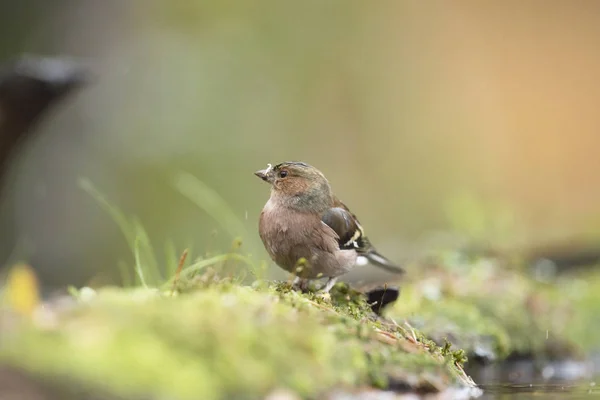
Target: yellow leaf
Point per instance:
(22, 289)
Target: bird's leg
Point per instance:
(300, 283)
(304, 285)
(329, 285)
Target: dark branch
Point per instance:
(29, 86)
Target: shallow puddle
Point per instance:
(522, 380)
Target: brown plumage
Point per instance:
(308, 231)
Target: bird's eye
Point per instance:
(283, 174)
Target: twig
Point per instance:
(179, 268)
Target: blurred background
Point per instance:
(470, 117)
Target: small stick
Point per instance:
(179, 268)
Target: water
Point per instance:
(559, 391)
(522, 380)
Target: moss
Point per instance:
(218, 342)
(580, 294)
(493, 311)
(224, 340)
(214, 338)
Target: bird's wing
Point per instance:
(350, 233)
(352, 236)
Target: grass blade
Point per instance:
(211, 202)
(138, 264)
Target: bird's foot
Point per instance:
(301, 284)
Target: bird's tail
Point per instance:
(380, 261)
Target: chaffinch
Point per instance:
(308, 231)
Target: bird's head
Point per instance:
(298, 184)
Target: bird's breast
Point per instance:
(285, 233)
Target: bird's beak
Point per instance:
(263, 174)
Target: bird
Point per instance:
(308, 231)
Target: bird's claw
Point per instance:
(301, 284)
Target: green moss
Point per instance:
(580, 296)
(223, 340)
(492, 311)
(218, 342)
(215, 338)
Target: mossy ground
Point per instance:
(494, 310)
(219, 339)
(214, 338)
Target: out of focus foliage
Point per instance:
(408, 108)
